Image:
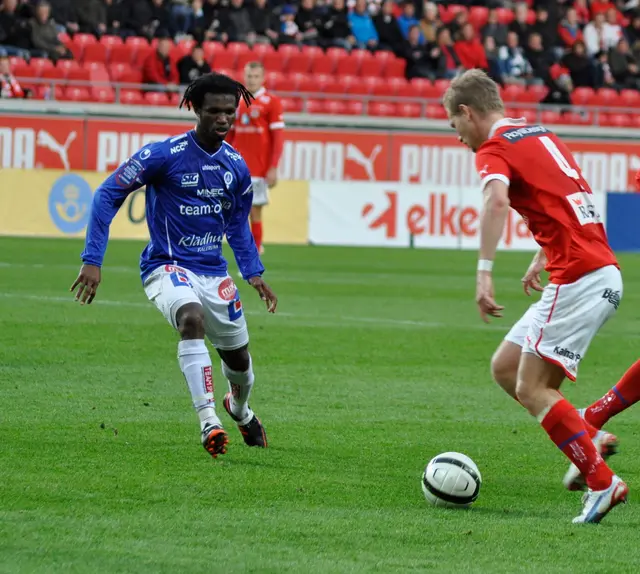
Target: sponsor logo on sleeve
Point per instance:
(179, 148)
(145, 154)
(233, 155)
(128, 173)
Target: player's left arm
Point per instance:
(496, 178)
(276, 130)
(243, 245)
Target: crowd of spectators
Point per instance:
(564, 44)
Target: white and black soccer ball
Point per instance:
(451, 480)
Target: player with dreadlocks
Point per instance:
(198, 189)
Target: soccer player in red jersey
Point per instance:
(258, 135)
(528, 168)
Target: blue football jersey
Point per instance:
(193, 199)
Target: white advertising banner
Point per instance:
(399, 215)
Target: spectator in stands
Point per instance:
(582, 12)
(193, 65)
(415, 53)
(580, 66)
(542, 26)
(216, 21)
(600, 7)
(308, 21)
(456, 25)
(445, 60)
(407, 18)
(14, 30)
(9, 86)
(182, 16)
(569, 30)
(539, 57)
(240, 26)
(632, 34)
(612, 21)
(470, 50)
(63, 12)
(289, 31)
(599, 36)
(362, 26)
(493, 61)
(334, 27)
(389, 32)
(519, 24)
(263, 22)
(515, 67)
(92, 16)
(560, 86)
(161, 21)
(146, 17)
(494, 28)
(430, 22)
(115, 10)
(44, 33)
(624, 67)
(158, 68)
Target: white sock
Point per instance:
(195, 363)
(240, 384)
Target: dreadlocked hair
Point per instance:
(214, 83)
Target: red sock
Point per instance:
(591, 430)
(619, 398)
(256, 231)
(566, 429)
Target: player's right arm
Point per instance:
(137, 171)
(531, 279)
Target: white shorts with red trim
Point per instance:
(260, 191)
(170, 287)
(560, 327)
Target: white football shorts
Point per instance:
(560, 327)
(260, 191)
(170, 287)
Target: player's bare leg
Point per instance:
(195, 363)
(237, 368)
(256, 226)
(537, 390)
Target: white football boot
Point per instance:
(606, 444)
(598, 503)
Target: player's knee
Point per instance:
(238, 360)
(190, 319)
(526, 393)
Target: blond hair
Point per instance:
(474, 89)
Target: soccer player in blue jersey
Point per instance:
(198, 189)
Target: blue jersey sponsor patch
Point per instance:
(128, 172)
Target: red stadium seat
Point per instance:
(395, 68)
(137, 41)
(95, 67)
(287, 50)
(117, 69)
(57, 74)
(181, 49)
(157, 99)
(298, 63)
(111, 41)
(615, 120)
(335, 107)
(340, 84)
(287, 83)
(581, 96)
(436, 112)
(629, 99)
(261, 50)
(441, 86)
(531, 17)
(372, 67)
(337, 53)
(314, 106)
(348, 66)
(238, 48)
(505, 15)
(291, 104)
(25, 71)
(307, 83)
(212, 49)
(409, 90)
(354, 108)
(65, 39)
(131, 98)
(84, 39)
(528, 114)
(77, 94)
(67, 65)
(132, 76)
(604, 97)
(95, 53)
(15, 61)
(141, 56)
(361, 85)
(324, 64)
(478, 16)
(49, 92)
(244, 59)
(41, 64)
(578, 119)
(271, 79)
(103, 94)
(512, 92)
(312, 51)
(78, 75)
(224, 60)
(533, 94)
(389, 86)
(382, 109)
(322, 81)
(550, 117)
(124, 53)
(408, 110)
(274, 62)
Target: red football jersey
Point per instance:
(548, 190)
(252, 131)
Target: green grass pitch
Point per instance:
(376, 362)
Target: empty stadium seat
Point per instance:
(505, 15)
(131, 97)
(79, 75)
(307, 83)
(58, 74)
(104, 95)
(436, 112)
(111, 41)
(274, 61)
(157, 99)
(68, 65)
(604, 97)
(513, 92)
(261, 50)
(533, 94)
(314, 106)
(478, 16)
(131, 76)
(550, 117)
(615, 120)
(395, 68)
(77, 94)
(335, 107)
(123, 53)
(355, 108)
(291, 105)
(348, 66)
(372, 67)
(225, 60)
(382, 109)
(324, 64)
(629, 99)
(95, 53)
(25, 71)
(581, 96)
(40, 64)
(312, 51)
(408, 110)
(211, 49)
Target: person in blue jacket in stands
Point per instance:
(362, 26)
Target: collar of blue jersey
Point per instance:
(504, 122)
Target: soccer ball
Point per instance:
(451, 480)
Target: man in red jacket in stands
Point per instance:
(159, 68)
(470, 50)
